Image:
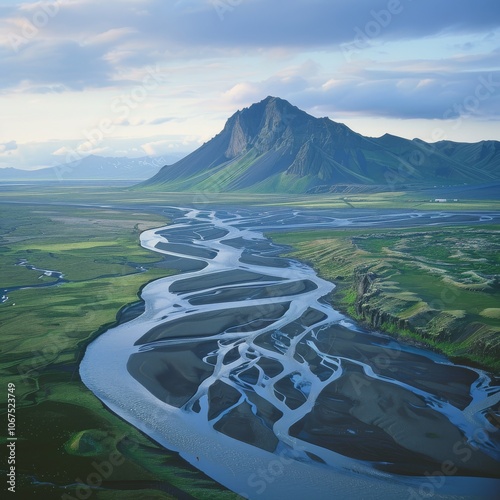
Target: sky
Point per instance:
(161, 77)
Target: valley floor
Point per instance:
(69, 445)
(65, 432)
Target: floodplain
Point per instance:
(94, 270)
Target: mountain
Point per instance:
(91, 167)
(273, 146)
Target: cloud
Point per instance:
(157, 147)
(33, 155)
(8, 146)
(170, 145)
(87, 43)
(415, 59)
(27, 155)
(62, 65)
(110, 36)
(288, 82)
(63, 151)
(245, 92)
(408, 89)
(299, 23)
(161, 120)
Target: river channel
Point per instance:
(241, 365)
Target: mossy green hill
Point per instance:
(438, 286)
(274, 147)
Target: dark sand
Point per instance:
(377, 400)
(173, 373)
(221, 279)
(252, 292)
(205, 324)
(356, 415)
(189, 250)
(240, 423)
(369, 419)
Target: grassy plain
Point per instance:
(439, 286)
(211, 197)
(69, 445)
(65, 435)
(387, 200)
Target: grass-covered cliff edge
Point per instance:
(439, 286)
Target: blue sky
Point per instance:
(158, 77)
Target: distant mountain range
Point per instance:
(274, 147)
(91, 167)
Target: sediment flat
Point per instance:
(240, 364)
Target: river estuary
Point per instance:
(241, 365)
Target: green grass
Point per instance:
(44, 335)
(212, 196)
(63, 313)
(62, 428)
(347, 297)
(390, 199)
(442, 282)
(434, 290)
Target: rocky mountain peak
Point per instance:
(273, 146)
(270, 123)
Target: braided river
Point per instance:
(240, 364)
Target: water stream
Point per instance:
(241, 365)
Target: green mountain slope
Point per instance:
(273, 146)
